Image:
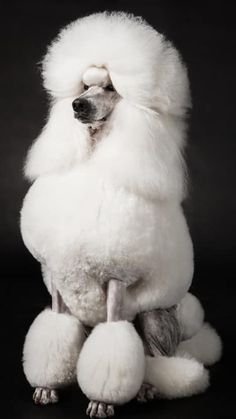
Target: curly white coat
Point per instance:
(115, 211)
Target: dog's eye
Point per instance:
(109, 87)
(86, 87)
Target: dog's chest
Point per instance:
(83, 286)
(74, 215)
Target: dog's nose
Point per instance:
(81, 106)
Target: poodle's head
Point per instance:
(113, 77)
(97, 100)
(143, 67)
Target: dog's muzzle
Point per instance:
(83, 110)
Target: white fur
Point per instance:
(62, 143)
(115, 208)
(95, 75)
(111, 365)
(190, 314)
(205, 346)
(176, 376)
(140, 61)
(51, 349)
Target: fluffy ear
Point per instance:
(142, 152)
(62, 142)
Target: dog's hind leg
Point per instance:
(168, 375)
(160, 331)
(161, 334)
(111, 365)
(51, 350)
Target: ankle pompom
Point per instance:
(111, 365)
(205, 346)
(51, 349)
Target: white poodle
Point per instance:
(104, 219)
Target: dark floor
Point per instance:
(205, 34)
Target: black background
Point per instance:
(205, 35)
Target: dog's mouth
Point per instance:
(94, 112)
(87, 112)
(95, 126)
(89, 121)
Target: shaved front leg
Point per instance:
(115, 298)
(43, 395)
(58, 305)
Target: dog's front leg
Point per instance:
(58, 304)
(115, 292)
(115, 299)
(51, 349)
(45, 395)
(113, 354)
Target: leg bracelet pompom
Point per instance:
(111, 365)
(51, 349)
(175, 377)
(190, 314)
(205, 346)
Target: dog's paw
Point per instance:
(99, 409)
(45, 396)
(147, 392)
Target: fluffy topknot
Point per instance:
(144, 67)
